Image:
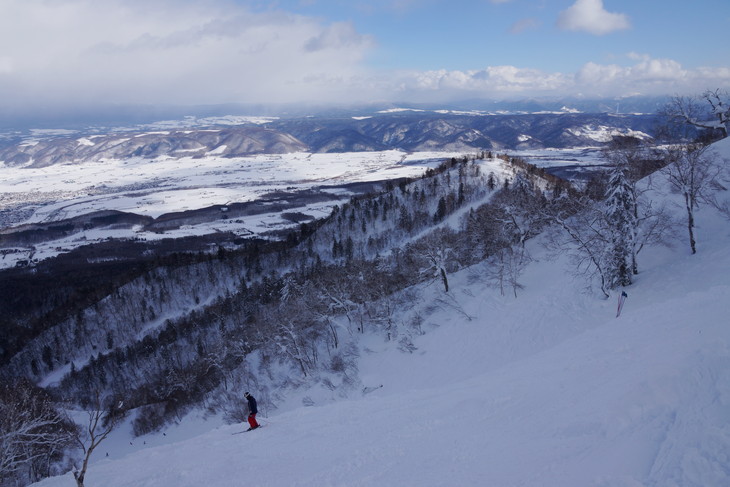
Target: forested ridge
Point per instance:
(120, 326)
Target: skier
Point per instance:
(252, 410)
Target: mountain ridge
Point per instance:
(223, 142)
(400, 130)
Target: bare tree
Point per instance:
(582, 231)
(517, 215)
(32, 432)
(337, 299)
(653, 226)
(720, 103)
(296, 337)
(709, 111)
(101, 422)
(437, 261)
(505, 266)
(434, 255)
(720, 198)
(723, 206)
(521, 212)
(691, 171)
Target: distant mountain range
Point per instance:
(395, 128)
(424, 131)
(227, 142)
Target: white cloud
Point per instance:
(493, 81)
(590, 16)
(171, 51)
(646, 76)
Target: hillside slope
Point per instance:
(549, 389)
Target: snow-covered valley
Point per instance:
(550, 388)
(164, 185)
(151, 188)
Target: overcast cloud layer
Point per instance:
(218, 51)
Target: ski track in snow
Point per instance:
(549, 389)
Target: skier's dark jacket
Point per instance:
(252, 409)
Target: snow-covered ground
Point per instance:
(153, 187)
(548, 389)
(156, 186)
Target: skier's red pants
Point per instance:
(252, 421)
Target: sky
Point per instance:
(66, 53)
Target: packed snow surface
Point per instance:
(546, 389)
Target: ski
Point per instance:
(246, 431)
(621, 299)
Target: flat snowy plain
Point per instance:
(164, 185)
(546, 389)
(156, 186)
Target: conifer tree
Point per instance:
(620, 214)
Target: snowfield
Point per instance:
(162, 185)
(153, 187)
(547, 389)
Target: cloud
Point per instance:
(172, 52)
(6, 65)
(647, 70)
(636, 56)
(590, 16)
(492, 81)
(340, 35)
(86, 53)
(523, 25)
(646, 76)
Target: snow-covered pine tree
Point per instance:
(620, 215)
